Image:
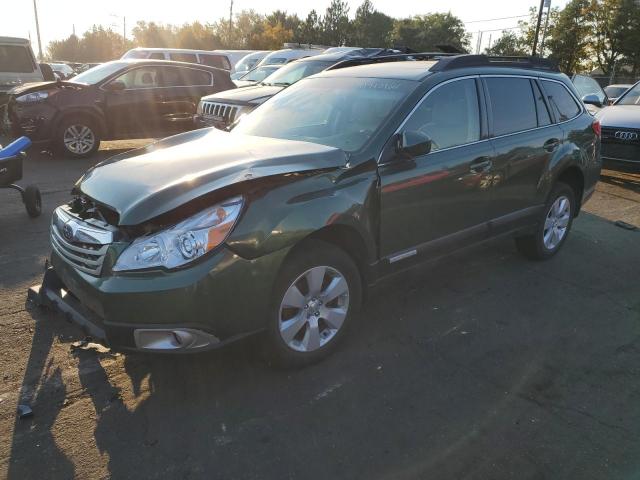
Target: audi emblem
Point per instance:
(620, 135)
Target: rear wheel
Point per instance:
(553, 227)
(78, 137)
(314, 299)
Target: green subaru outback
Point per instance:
(279, 226)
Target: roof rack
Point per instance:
(465, 61)
(398, 57)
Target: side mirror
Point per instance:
(115, 86)
(592, 99)
(413, 144)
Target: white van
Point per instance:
(286, 55)
(17, 64)
(203, 57)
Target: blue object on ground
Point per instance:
(15, 147)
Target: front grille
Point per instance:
(621, 147)
(79, 243)
(220, 112)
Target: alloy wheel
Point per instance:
(314, 309)
(556, 223)
(79, 139)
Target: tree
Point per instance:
(631, 41)
(311, 28)
(154, 35)
(371, 28)
(509, 44)
(424, 32)
(568, 37)
(336, 28)
(610, 23)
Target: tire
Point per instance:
(32, 201)
(544, 243)
(303, 326)
(84, 130)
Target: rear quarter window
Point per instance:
(562, 102)
(513, 106)
(219, 61)
(16, 59)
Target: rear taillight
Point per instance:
(596, 128)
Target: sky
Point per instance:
(59, 17)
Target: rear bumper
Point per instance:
(221, 300)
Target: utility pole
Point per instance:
(547, 3)
(535, 39)
(230, 21)
(35, 10)
(124, 34)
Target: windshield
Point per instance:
(259, 74)
(615, 92)
(632, 97)
(296, 71)
(97, 74)
(338, 112)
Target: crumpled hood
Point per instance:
(40, 86)
(241, 96)
(145, 183)
(624, 116)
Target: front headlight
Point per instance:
(184, 242)
(32, 97)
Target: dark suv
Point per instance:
(222, 109)
(115, 100)
(346, 177)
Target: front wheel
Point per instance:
(78, 137)
(553, 227)
(315, 296)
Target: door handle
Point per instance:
(481, 165)
(551, 144)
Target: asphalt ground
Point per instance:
(483, 366)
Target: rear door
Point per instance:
(438, 200)
(525, 139)
(136, 110)
(183, 87)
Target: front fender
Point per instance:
(285, 215)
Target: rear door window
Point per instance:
(16, 59)
(562, 102)
(544, 118)
(512, 105)
(157, 56)
(449, 115)
(185, 77)
(184, 57)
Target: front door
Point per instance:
(135, 111)
(439, 200)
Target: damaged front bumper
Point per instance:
(185, 311)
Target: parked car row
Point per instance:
(277, 226)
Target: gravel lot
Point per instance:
(484, 366)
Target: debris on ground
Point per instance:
(87, 344)
(24, 411)
(625, 225)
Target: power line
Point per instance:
(494, 19)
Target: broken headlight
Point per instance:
(184, 242)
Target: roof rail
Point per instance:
(394, 57)
(465, 61)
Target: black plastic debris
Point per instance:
(24, 411)
(625, 225)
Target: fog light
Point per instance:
(174, 339)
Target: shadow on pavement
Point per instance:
(473, 368)
(629, 180)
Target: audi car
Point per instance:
(621, 128)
